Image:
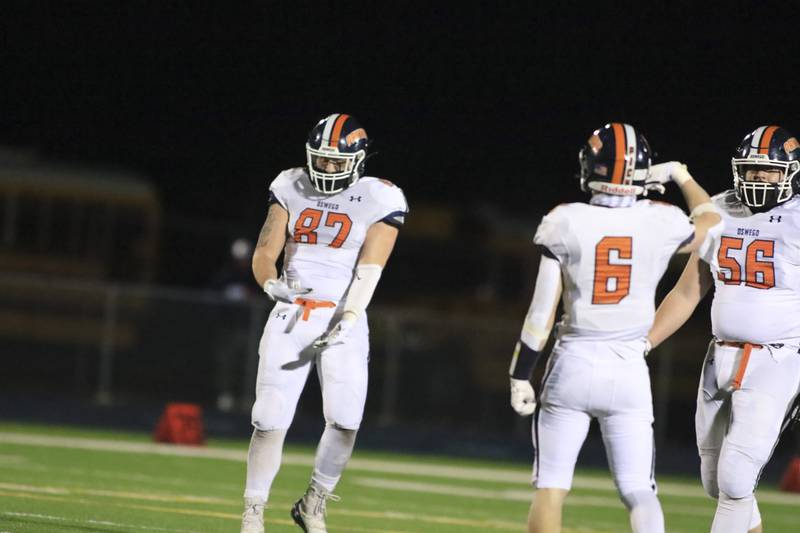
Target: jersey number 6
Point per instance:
(308, 222)
(612, 281)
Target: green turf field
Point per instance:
(59, 480)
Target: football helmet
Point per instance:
(336, 151)
(767, 147)
(615, 160)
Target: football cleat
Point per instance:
(253, 516)
(768, 148)
(336, 151)
(309, 511)
(615, 160)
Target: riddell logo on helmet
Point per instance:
(616, 189)
(791, 145)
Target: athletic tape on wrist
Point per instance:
(705, 207)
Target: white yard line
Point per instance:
(149, 496)
(106, 523)
(367, 465)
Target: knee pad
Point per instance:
(737, 475)
(343, 409)
(269, 411)
(640, 497)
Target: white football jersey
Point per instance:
(611, 260)
(326, 232)
(755, 264)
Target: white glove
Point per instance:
(664, 173)
(523, 399)
(338, 332)
(279, 291)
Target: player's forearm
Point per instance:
(694, 194)
(538, 321)
(264, 266)
(270, 244)
(673, 312)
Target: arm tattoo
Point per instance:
(266, 229)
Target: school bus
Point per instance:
(64, 232)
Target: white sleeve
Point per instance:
(536, 328)
(550, 234)
(278, 188)
(709, 245)
(676, 228)
(393, 206)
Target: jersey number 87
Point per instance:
(309, 220)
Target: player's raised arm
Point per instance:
(681, 301)
(535, 332)
(702, 211)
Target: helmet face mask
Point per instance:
(766, 148)
(615, 160)
(335, 153)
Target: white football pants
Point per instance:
(608, 381)
(738, 428)
(286, 357)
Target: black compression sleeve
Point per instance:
(524, 361)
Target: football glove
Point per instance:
(523, 399)
(663, 173)
(338, 332)
(279, 291)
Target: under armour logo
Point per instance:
(281, 316)
(355, 198)
(775, 218)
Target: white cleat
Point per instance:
(253, 516)
(309, 511)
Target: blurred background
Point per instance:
(138, 141)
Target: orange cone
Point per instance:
(791, 478)
(181, 423)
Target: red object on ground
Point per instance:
(791, 478)
(181, 423)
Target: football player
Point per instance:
(752, 368)
(606, 256)
(336, 228)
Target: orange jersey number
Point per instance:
(758, 273)
(309, 220)
(612, 281)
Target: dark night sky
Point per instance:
(467, 104)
